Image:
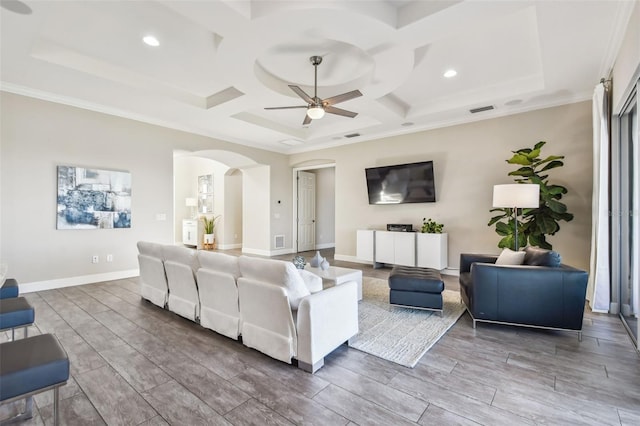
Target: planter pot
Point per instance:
(209, 238)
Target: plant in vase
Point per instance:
(431, 226)
(209, 228)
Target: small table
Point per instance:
(335, 275)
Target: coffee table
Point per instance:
(335, 275)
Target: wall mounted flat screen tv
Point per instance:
(401, 183)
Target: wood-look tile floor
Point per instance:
(133, 363)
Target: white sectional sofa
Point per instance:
(275, 308)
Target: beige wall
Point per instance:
(468, 160)
(232, 223)
(38, 135)
(325, 207)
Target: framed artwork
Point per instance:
(205, 194)
(93, 198)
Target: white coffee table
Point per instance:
(335, 275)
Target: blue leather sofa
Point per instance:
(541, 293)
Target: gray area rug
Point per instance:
(400, 335)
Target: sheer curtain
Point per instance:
(598, 289)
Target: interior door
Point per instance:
(306, 211)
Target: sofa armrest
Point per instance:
(467, 259)
(311, 281)
(326, 320)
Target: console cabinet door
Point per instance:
(433, 251)
(385, 247)
(404, 248)
(364, 244)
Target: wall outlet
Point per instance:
(95, 259)
(109, 258)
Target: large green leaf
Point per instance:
(556, 206)
(552, 165)
(504, 229)
(539, 145)
(519, 159)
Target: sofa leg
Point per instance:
(310, 368)
(579, 336)
(474, 324)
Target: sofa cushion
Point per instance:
(275, 272)
(535, 256)
(510, 257)
(311, 280)
(220, 262)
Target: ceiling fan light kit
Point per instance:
(316, 107)
(315, 112)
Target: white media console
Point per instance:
(402, 248)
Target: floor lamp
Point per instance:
(516, 196)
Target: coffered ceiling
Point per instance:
(220, 63)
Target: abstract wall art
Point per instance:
(93, 198)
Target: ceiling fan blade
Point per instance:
(287, 107)
(341, 98)
(307, 120)
(340, 111)
(301, 93)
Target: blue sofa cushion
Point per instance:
(30, 364)
(15, 312)
(535, 256)
(9, 289)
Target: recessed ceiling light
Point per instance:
(407, 124)
(151, 40)
(450, 73)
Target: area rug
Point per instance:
(400, 335)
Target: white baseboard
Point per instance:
(229, 246)
(352, 259)
(325, 246)
(267, 253)
(73, 281)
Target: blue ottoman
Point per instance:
(9, 289)
(16, 312)
(30, 366)
(419, 288)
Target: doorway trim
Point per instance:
(294, 195)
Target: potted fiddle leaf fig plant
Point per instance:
(209, 228)
(536, 223)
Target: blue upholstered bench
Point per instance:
(30, 366)
(14, 313)
(419, 288)
(9, 289)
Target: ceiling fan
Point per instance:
(317, 107)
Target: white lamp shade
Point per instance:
(315, 112)
(191, 202)
(519, 195)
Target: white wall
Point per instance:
(627, 65)
(468, 160)
(38, 135)
(255, 201)
(325, 207)
(232, 210)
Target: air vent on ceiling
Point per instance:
(480, 109)
(352, 135)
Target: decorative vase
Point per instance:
(208, 238)
(324, 265)
(315, 261)
(299, 262)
